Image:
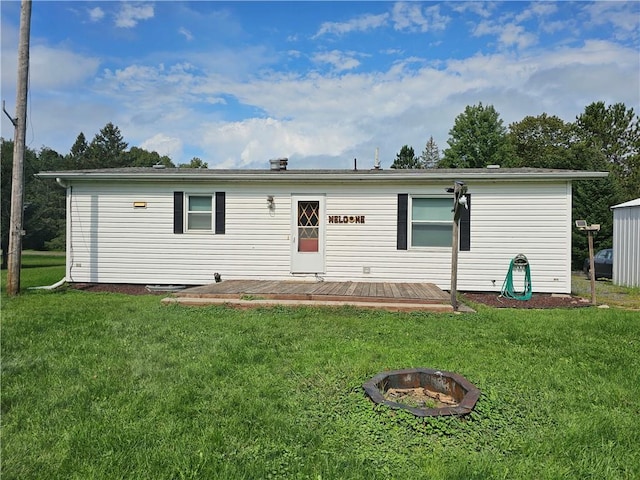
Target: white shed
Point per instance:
(181, 226)
(626, 243)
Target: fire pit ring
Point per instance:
(451, 393)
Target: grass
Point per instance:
(103, 386)
(606, 291)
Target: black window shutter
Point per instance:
(465, 226)
(178, 212)
(403, 206)
(220, 212)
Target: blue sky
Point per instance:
(238, 83)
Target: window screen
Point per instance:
(431, 222)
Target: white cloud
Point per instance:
(512, 34)
(95, 14)
(340, 61)
(186, 33)
(535, 10)
(412, 17)
(49, 68)
(359, 24)
(131, 13)
(482, 9)
(163, 144)
(509, 34)
(624, 17)
(332, 119)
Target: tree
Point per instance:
(430, 155)
(138, 157)
(615, 131)
(477, 139)
(45, 205)
(195, 163)
(31, 205)
(406, 158)
(543, 142)
(6, 167)
(77, 156)
(592, 200)
(107, 149)
(80, 146)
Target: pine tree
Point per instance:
(406, 158)
(107, 149)
(431, 154)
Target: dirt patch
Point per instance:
(420, 398)
(537, 300)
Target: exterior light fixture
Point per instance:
(270, 202)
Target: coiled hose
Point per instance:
(519, 262)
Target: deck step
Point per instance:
(270, 302)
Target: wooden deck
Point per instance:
(248, 293)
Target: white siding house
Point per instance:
(181, 226)
(626, 243)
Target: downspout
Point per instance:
(61, 282)
(50, 287)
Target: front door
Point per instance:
(307, 234)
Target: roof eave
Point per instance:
(318, 177)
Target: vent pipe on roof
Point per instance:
(376, 164)
(278, 163)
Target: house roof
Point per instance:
(630, 203)
(320, 176)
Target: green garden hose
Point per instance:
(519, 262)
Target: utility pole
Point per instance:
(17, 179)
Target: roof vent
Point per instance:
(493, 166)
(278, 163)
(158, 166)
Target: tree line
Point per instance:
(44, 205)
(602, 138)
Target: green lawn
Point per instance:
(113, 386)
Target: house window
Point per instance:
(431, 222)
(199, 213)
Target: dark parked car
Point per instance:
(603, 261)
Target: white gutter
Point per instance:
(317, 176)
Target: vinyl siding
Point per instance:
(626, 246)
(110, 241)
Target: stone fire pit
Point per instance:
(424, 392)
